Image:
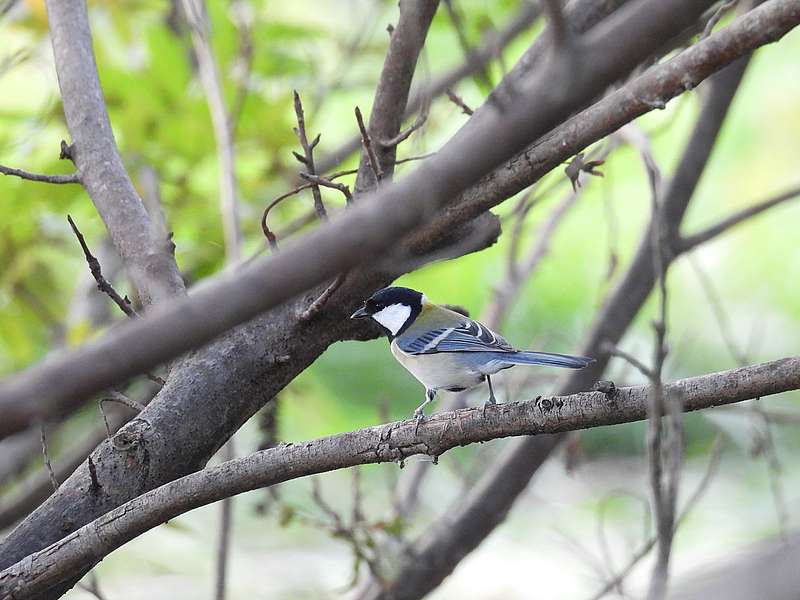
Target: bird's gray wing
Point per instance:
(469, 336)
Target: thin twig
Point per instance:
(46, 457)
(315, 307)
(102, 284)
(422, 117)
(226, 518)
(271, 237)
(702, 486)
(243, 63)
(469, 54)
(119, 398)
(613, 350)
(456, 99)
(374, 163)
(718, 14)
(58, 179)
(324, 182)
(689, 242)
(664, 448)
(208, 70)
(307, 157)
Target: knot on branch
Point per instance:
(132, 435)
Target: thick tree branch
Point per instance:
(370, 228)
(147, 259)
(383, 443)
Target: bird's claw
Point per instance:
(490, 402)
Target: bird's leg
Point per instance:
(419, 414)
(492, 399)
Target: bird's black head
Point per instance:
(393, 308)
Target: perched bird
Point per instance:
(445, 350)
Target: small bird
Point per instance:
(444, 349)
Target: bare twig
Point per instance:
(702, 486)
(307, 157)
(208, 69)
(469, 55)
(689, 242)
(59, 179)
(244, 63)
(315, 307)
(324, 182)
(718, 14)
(613, 350)
(271, 237)
(102, 284)
(665, 450)
(46, 457)
(374, 164)
(224, 541)
(406, 133)
(119, 398)
(456, 99)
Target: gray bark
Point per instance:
(367, 230)
(147, 259)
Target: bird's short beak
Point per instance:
(360, 314)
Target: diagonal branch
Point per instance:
(197, 16)
(147, 259)
(383, 443)
(102, 283)
(403, 206)
(688, 243)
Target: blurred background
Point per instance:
(732, 301)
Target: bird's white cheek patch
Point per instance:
(393, 317)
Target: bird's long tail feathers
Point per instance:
(546, 358)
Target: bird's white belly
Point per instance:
(438, 371)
